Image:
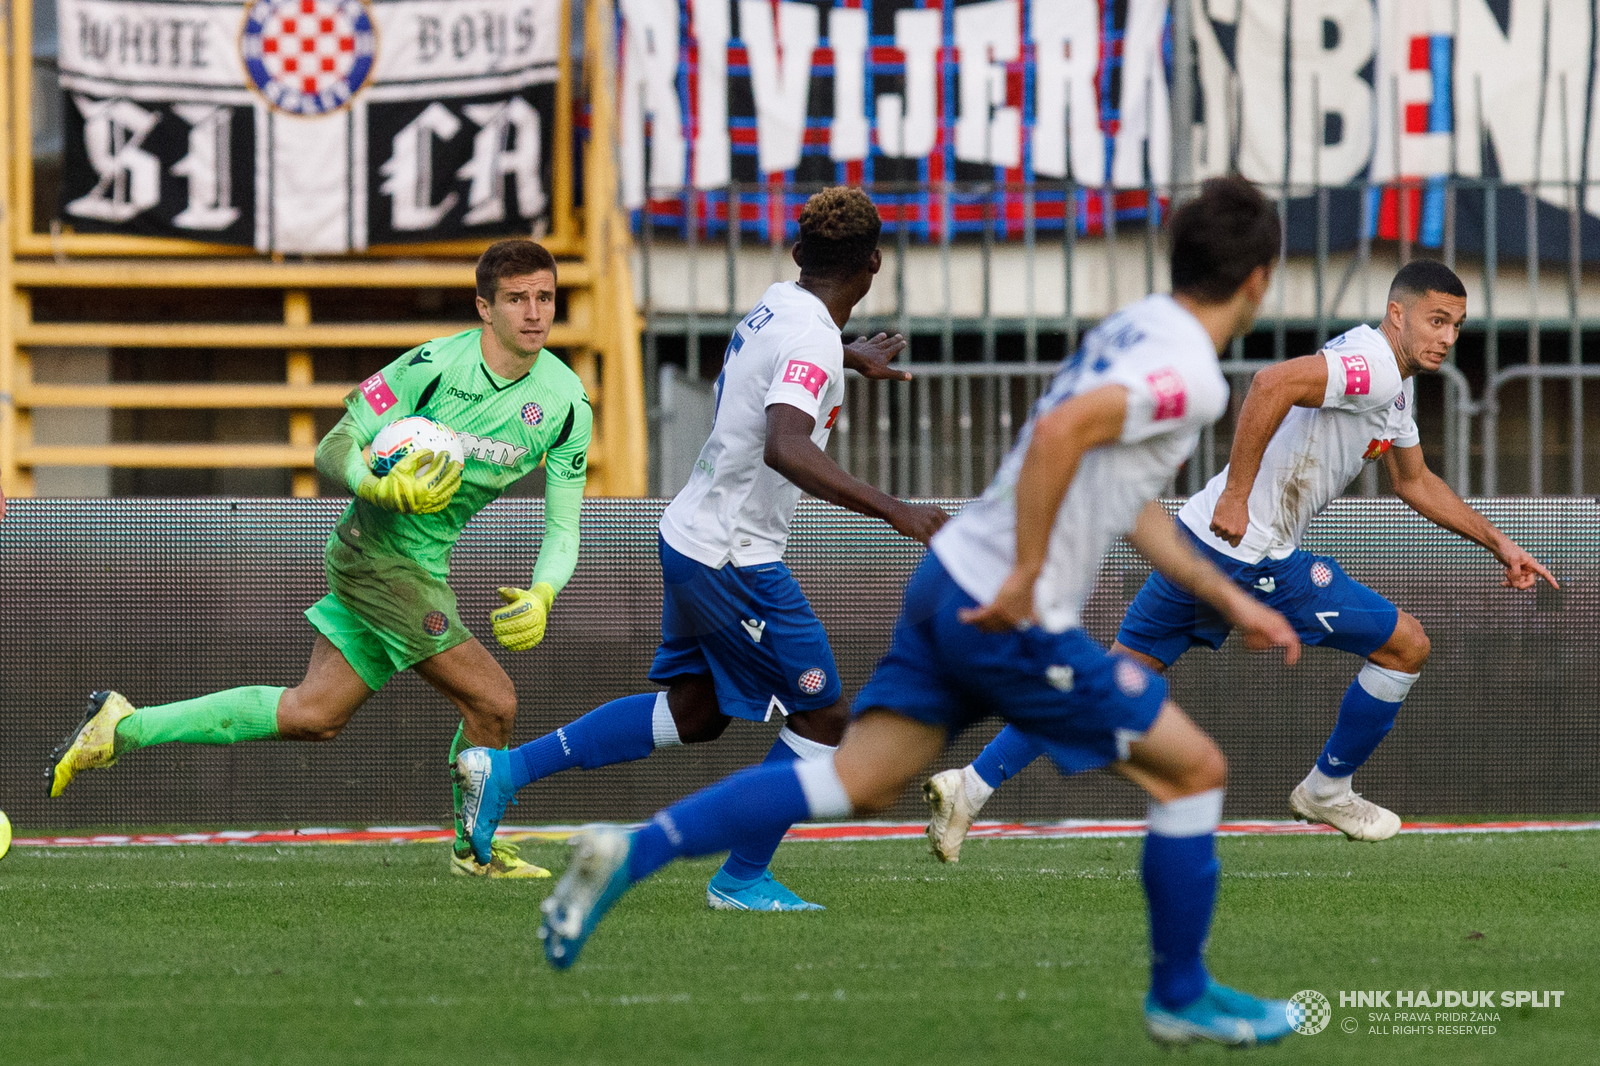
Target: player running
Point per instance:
(738, 639)
(1307, 428)
(388, 607)
(991, 625)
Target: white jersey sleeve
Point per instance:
(735, 508)
(1167, 362)
(1317, 451)
(803, 373)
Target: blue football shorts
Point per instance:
(1078, 702)
(1324, 604)
(751, 629)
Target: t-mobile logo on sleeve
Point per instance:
(1357, 375)
(808, 376)
(1166, 385)
(380, 397)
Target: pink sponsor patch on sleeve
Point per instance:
(1357, 375)
(380, 397)
(808, 376)
(1166, 385)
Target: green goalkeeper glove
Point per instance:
(421, 483)
(519, 625)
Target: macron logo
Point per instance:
(755, 627)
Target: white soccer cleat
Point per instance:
(1351, 815)
(950, 813)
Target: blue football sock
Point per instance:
(619, 731)
(1366, 715)
(1180, 871)
(749, 861)
(744, 811)
(1005, 756)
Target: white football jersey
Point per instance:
(735, 507)
(1318, 451)
(1165, 359)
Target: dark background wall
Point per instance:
(168, 599)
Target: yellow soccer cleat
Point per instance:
(503, 862)
(92, 744)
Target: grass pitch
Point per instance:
(1028, 951)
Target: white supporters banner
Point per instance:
(308, 126)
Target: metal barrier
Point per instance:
(191, 596)
(981, 310)
(946, 430)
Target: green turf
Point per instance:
(1028, 951)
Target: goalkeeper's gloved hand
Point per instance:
(519, 625)
(421, 483)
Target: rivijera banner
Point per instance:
(903, 96)
(310, 126)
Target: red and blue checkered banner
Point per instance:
(998, 97)
(313, 126)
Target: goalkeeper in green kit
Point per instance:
(388, 608)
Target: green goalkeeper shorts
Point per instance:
(384, 614)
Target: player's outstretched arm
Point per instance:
(1298, 382)
(1431, 497)
(791, 452)
(1060, 439)
(1155, 536)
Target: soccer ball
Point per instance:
(413, 433)
(5, 834)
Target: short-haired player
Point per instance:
(738, 639)
(991, 625)
(1307, 429)
(389, 607)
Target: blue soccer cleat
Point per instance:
(484, 775)
(1222, 1015)
(765, 893)
(596, 879)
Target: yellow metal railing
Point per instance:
(600, 332)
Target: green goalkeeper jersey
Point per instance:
(506, 428)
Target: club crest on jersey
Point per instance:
(1376, 448)
(1321, 575)
(812, 680)
(1400, 402)
(435, 623)
(1357, 375)
(532, 414)
(308, 57)
(1131, 678)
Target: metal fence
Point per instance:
(988, 317)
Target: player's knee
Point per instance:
(693, 703)
(1209, 770)
(826, 725)
(300, 718)
(1409, 647)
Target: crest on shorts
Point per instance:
(1321, 575)
(1131, 678)
(532, 414)
(308, 57)
(812, 680)
(435, 623)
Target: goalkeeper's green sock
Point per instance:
(227, 717)
(457, 746)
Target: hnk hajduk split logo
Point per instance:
(308, 57)
(1308, 1012)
